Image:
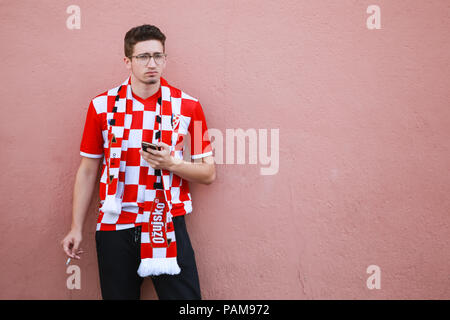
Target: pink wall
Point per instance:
(363, 118)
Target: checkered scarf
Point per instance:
(158, 245)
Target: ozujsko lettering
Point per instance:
(158, 224)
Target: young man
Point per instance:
(144, 192)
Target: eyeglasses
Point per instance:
(144, 58)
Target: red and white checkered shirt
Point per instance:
(191, 119)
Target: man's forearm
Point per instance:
(200, 172)
(82, 195)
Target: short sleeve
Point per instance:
(198, 130)
(92, 141)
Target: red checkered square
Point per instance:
(138, 117)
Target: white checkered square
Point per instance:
(165, 123)
(171, 235)
(103, 177)
(113, 92)
(176, 105)
(132, 175)
(165, 92)
(115, 152)
(120, 187)
(100, 104)
(188, 206)
(145, 237)
(118, 131)
(125, 145)
(166, 180)
(124, 226)
(176, 194)
(130, 207)
(141, 193)
(105, 138)
(184, 124)
(128, 119)
(137, 105)
(145, 217)
(121, 104)
(110, 218)
(184, 95)
(122, 166)
(159, 253)
(134, 138)
(150, 194)
(145, 164)
(148, 122)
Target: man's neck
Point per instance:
(144, 90)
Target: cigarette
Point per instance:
(68, 261)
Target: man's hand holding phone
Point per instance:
(157, 156)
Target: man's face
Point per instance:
(151, 72)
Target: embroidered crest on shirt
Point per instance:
(175, 120)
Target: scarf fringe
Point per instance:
(157, 266)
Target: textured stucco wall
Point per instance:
(363, 118)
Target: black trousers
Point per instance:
(119, 256)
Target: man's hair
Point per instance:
(142, 33)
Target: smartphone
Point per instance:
(153, 146)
